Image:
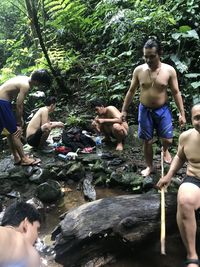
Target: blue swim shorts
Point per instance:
(7, 117)
(158, 118)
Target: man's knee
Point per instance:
(185, 203)
(148, 142)
(167, 141)
(119, 129)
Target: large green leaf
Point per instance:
(195, 85)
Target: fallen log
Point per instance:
(102, 226)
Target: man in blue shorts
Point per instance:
(189, 191)
(153, 78)
(17, 88)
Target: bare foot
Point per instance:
(146, 171)
(29, 161)
(167, 157)
(119, 147)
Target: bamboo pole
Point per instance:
(163, 226)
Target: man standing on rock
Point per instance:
(189, 191)
(153, 78)
(17, 88)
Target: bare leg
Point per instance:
(44, 137)
(17, 150)
(188, 202)
(167, 156)
(148, 155)
(119, 131)
(13, 149)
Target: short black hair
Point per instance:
(41, 76)
(97, 103)
(18, 211)
(153, 42)
(50, 100)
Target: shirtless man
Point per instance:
(109, 122)
(17, 88)
(189, 191)
(18, 234)
(40, 126)
(153, 78)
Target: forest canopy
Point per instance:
(91, 47)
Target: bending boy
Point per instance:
(109, 122)
(40, 126)
(17, 88)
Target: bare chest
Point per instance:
(158, 80)
(192, 150)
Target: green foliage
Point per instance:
(74, 120)
(95, 45)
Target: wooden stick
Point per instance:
(163, 226)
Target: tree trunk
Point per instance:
(36, 30)
(111, 224)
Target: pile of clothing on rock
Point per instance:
(75, 139)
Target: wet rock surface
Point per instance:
(111, 170)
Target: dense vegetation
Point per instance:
(91, 47)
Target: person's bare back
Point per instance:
(11, 88)
(16, 249)
(40, 117)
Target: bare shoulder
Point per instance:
(185, 135)
(140, 68)
(113, 109)
(43, 110)
(168, 68)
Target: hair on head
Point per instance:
(97, 103)
(153, 42)
(50, 100)
(41, 76)
(18, 211)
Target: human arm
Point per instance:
(20, 105)
(176, 164)
(131, 92)
(108, 120)
(177, 97)
(55, 124)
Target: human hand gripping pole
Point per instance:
(163, 226)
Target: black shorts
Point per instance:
(192, 180)
(34, 139)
